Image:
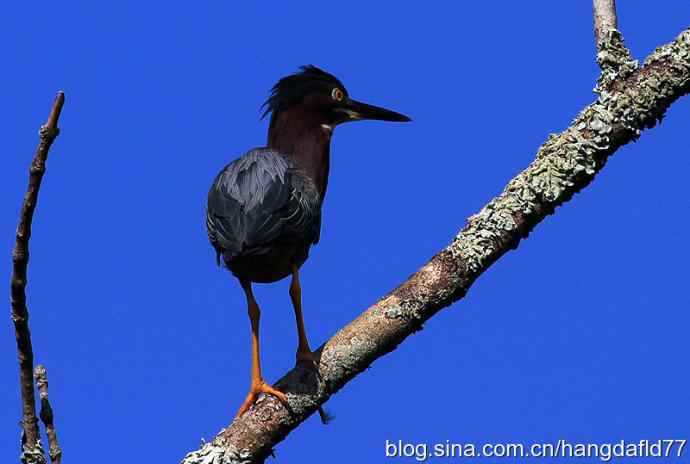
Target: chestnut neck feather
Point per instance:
(299, 134)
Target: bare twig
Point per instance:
(46, 414)
(20, 260)
(565, 163)
(605, 18)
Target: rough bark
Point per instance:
(46, 414)
(630, 99)
(32, 451)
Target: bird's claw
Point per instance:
(254, 391)
(306, 359)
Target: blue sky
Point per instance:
(580, 334)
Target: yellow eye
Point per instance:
(337, 94)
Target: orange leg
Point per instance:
(258, 385)
(304, 354)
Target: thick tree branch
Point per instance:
(46, 414)
(31, 446)
(565, 163)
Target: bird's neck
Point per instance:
(302, 136)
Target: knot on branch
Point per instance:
(55, 453)
(41, 380)
(18, 318)
(47, 132)
(32, 454)
(614, 59)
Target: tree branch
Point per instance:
(46, 414)
(31, 446)
(605, 18)
(613, 56)
(565, 163)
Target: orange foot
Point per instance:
(259, 387)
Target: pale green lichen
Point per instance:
(614, 60)
(665, 71)
(219, 451)
(629, 99)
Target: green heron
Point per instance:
(264, 208)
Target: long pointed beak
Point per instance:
(357, 110)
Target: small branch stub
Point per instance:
(613, 56)
(605, 18)
(46, 414)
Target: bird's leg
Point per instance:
(304, 354)
(258, 385)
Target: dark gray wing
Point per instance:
(258, 200)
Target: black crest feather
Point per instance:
(291, 89)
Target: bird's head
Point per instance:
(321, 97)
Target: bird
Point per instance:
(263, 211)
